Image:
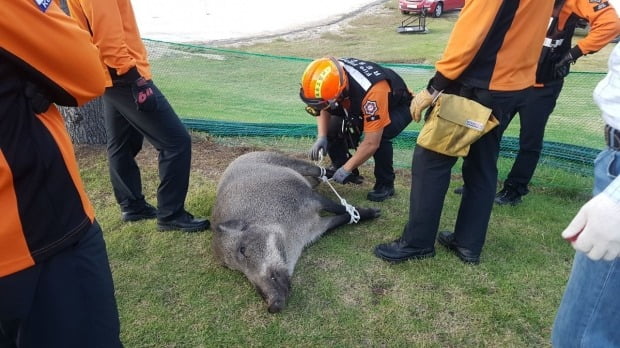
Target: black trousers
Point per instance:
(340, 140)
(66, 301)
(126, 129)
(533, 117)
(430, 179)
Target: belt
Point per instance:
(612, 138)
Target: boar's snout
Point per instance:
(277, 290)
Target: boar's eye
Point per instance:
(242, 250)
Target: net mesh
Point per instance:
(235, 93)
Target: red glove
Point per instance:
(144, 95)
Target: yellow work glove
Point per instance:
(421, 101)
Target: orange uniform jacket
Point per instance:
(603, 20)
(495, 45)
(113, 26)
(44, 205)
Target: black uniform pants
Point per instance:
(126, 129)
(65, 301)
(340, 140)
(430, 178)
(533, 117)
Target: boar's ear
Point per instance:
(232, 226)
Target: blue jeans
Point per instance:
(588, 314)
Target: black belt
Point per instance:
(612, 138)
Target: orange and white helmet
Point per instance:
(322, 84)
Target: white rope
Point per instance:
(355, 215)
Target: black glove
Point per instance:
(562, 67)
(38, 100)
(144, 95)
(126, 79)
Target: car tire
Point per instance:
(438, 10)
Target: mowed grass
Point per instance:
(171, 292)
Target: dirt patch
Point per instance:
(209, 157)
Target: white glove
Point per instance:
(595, 230)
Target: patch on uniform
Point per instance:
(595, 1)
(43, 4)
(601, 6)
(370, 108)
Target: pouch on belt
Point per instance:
(454, 123)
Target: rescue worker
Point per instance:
(56, 288)
(553, 66)
(135, 109)
(352, 100)
(491, 58)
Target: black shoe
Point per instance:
(146, 212)
(355, 179)
(380, 193)
(459, 190)
(447, 239)
(398, 251)
(186, 223)
(508, 196)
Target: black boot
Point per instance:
(508, 196)
(399, 250)
(145, 212)
(447, 239)
(380, 193)
(185, 222)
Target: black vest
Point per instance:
(362, 76)
(557, 44)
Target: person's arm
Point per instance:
(319, 148)
(604, 27)
(375, 111)
(104, 19)
(53, 52)
(322, 123)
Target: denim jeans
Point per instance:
(589, 314)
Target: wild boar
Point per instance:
(266, 211)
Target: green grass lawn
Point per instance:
(172, 293)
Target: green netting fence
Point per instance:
(234, 93)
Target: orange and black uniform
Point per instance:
(491, 57)
(533, 117)
(377, 99)
(46, 215)
(114, 31)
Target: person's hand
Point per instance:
(562, 67)
(320, 145)
(341, 175)
(39, 102)
(421, 101)
(143, 94)
(125, 79)
(595, 230)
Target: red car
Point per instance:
(435, 7)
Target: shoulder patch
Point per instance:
(370, 108)
(600, 6)
(43, 5)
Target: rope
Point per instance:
(353, 213)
